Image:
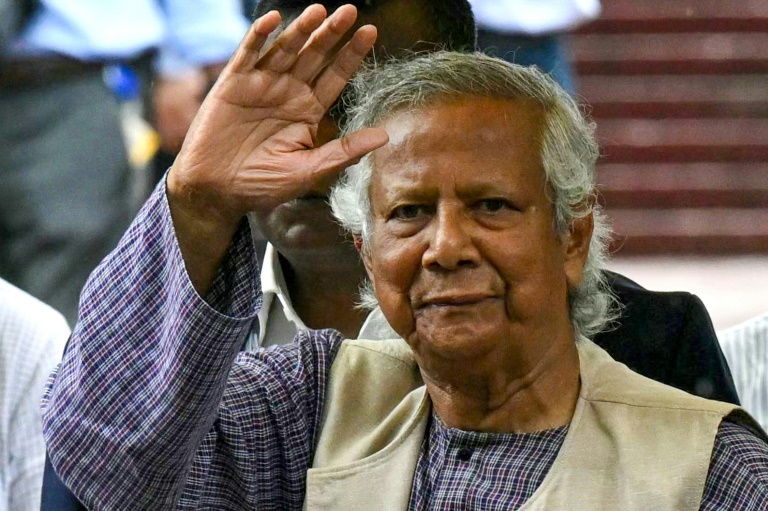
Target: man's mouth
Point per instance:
(453, 300)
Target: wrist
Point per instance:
(203, 230)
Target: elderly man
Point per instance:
(475, 220)
(311, 272)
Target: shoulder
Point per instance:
(29, 325)
(740, 441)
(311, 354)
(606, 380)
(384, 361)
(17, 306)
(32, 339)
(394, 349)
(378, 374)
(738, 471)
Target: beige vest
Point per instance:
(633, 443)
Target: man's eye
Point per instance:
(493, 205)
(409, 211)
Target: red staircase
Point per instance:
(679, 90)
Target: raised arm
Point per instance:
(147, 367)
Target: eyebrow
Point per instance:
(465, 193)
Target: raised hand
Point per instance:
(251, 146)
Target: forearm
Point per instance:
(146, 367)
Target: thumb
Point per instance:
(338, 154)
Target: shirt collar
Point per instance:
(273, 282)
(273, 287)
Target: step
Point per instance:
(618, 153)
(665, 67)
(622, 16)
(708, 132)
(683, 140)
(699, 231)
(679, 109)
(689, 53)
(664, 186)
(749, 88)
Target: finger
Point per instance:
(335, 76)
(339, 154)
(315, 53)
(283, 54)
(247, 53)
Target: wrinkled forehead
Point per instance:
(467, 119)
(483, 131)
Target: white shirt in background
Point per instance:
(32, 339)
(746, 349)
(534, 17)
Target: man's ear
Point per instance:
(364, 254)
(577, 248)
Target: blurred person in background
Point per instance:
(64, 199)
(249, 7)
(176, 96)
(529, 32)
(746, 349)
(32, 338)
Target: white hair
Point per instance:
(568, 152)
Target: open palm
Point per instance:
(251, 146)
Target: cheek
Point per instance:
(394, 270)
(535, 279)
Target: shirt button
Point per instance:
(464, 454)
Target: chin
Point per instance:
(457, 342)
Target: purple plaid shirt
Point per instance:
(154, 408)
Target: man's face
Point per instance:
(463, 255)
(304, 230)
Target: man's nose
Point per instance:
(451, 245)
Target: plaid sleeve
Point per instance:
(140, 384)
(257, 454)
(738, 471)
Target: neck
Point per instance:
(325, 297)
(540, 396)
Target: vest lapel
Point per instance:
(381, 482)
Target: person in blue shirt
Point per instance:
(66, 178)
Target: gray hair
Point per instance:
(568, 153)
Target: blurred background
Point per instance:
(679, 90)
